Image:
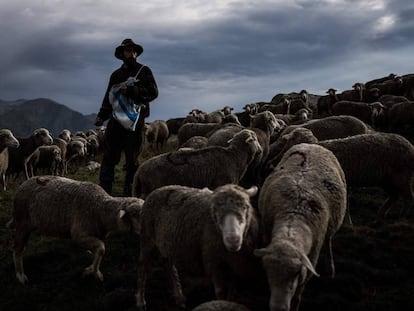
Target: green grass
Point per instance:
(373, 264)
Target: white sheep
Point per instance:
(63, 207)
(207, 167)
(302, 204)
(7, 140)
(198, 231)
(384, 160)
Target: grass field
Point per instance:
(373, 264)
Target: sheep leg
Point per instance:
(295, 303)
(175, 283)
(3, 181)
(20, 241)
(330, 257)
(98, 250)
(219, 278)
(144, 264)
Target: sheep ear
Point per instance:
(252, 191)
(121, 213)
(306, 262)
(260, 252)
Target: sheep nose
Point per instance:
(233, 242)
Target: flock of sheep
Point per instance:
(195, 207)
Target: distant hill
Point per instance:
(23, 116)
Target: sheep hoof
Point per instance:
(22, 278)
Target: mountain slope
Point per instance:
(22, 117)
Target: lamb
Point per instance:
(63, 207)
(48, 158)
(18, 157)
(302, 204)
(383, 160)
(220, 305)
(7, 140)
(156, 133)
(63, 145)
(208, 167)
(198, 231)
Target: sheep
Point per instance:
(356, 94)
(323, 129)
(302, 204)
(227, 110)
(299, 117)
(48, 158)
(18, 156)
(188, 130)
(174, 124)
(195, 142)
(325, 102)
(208, 167)
(384, 160)
(367, 112)
(332, 127)
(216, 116)
(198, 231)
(63, 145)
(156, 133)
(244, 116)
(7, 140)
(63, 207)
(263, 124)
(76, 151)
(400, 115)
(279, 108)
(393, 87)
(220, 305)
(191, 129)
(370, 83)
(66, 135)
(390, 100)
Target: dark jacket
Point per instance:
(144, 91)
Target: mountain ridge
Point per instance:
(23, 116)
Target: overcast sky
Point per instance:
(204, 54)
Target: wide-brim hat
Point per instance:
(119, 51)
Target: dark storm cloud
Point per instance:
(248, 51)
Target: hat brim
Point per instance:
(119, 51)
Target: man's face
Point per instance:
(129, 52)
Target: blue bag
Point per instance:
(125, 109)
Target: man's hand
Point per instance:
(98, 121)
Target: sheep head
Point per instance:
(287, 268)
(231, 211)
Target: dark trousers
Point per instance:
(118, 140)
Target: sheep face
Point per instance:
(7, 139)
(129, 217)
(287, 271)
(42, 137)
(231, 211)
